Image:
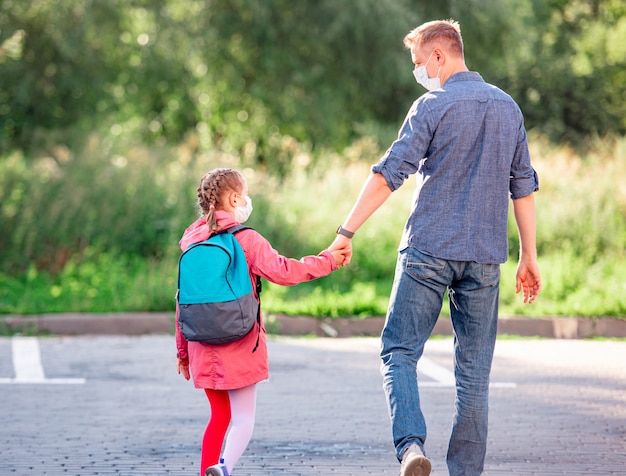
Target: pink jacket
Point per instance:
(234, 365)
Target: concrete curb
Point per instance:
(138, 323)
(554, 327)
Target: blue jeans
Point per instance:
(419, 287)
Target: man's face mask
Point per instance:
(422, 78)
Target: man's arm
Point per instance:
(527, 277)
(374, 193)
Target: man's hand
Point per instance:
(528, 279)
(343, 246)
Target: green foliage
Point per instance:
(363, 299)
(98, 282)
(60, 205)
(317, 73)
(581, 234)
(573, 69)
(245, 76)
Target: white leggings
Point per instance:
(243, 412)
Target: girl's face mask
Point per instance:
(243, 213)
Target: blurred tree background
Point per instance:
(320, 71)
(108, 108)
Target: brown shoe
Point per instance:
(414, 463)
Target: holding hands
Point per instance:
(341, 255)
(341, 249)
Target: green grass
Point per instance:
(102, 283)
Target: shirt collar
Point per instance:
(465, 76)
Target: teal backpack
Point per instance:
(216, 303)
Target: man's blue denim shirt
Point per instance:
(467, 145)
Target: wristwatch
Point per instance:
(342, 231)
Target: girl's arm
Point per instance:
(182, 365)
(266, 262)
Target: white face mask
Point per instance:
(243, 213)
(422, 78)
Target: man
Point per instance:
(465, 140)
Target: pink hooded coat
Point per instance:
(234, 365)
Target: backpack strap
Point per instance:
(236, 229)
(233, 230)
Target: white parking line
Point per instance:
(27, 359)
(445, 378)
(27, 364)
(441, 375)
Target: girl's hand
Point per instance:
(182, 367)
(339, 255)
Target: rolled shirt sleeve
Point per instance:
(524, 179)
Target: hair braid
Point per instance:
(213, 187)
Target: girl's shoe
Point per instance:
(217, 469)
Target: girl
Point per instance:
(228, 373)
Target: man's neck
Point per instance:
(451, 69)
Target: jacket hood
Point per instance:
(199, 231)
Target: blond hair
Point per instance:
(213, 189)
(447, 32)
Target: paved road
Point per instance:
(114, 405)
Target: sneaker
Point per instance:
(217, 469)
(414, 463)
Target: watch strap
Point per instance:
(342, 231)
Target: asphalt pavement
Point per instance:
(114, 405)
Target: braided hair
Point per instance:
(214, 187)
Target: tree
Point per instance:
(571, 79)
(250, 75)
